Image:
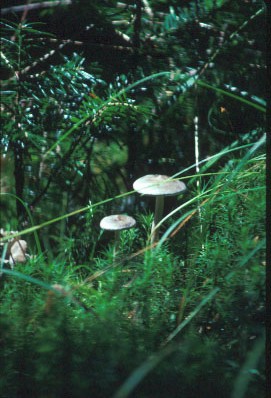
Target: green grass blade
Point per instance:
(28, 278)
(214, 292)
(234, 96)
(192, 314)
(5, 248)
(187, 214)
(246, 371)
(250, 152)
(214, 158)
(141, 372)
(245, 260)
(73, 213)
(86, 208)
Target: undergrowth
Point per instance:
(81, 330)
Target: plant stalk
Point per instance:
(158, 213)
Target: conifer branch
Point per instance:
(35, 6)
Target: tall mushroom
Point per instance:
(159, 186)
(117, 223)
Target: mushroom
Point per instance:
(117, 223)
(18, 252)
(159, 186)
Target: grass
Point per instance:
(183, 318)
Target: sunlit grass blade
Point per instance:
(244, 160)
(183, 205)
(177, 225)
(73, 213)
(210, 161)
(218, 184)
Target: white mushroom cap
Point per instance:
(117, 222)
(156, 184)
(18, 247)
(18, 252)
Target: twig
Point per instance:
(137, 24)
(225, 40)
(76, 43)
(147, 8)
(35, 6)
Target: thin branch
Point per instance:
(76, 43)
(227, 40)
(137, 24)
(35, 6)
(147, 8)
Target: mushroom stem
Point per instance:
(159, 186)
(158, 213)
(116, 244)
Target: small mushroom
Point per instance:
(117, 223)
(18, 252)
(159, 186)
